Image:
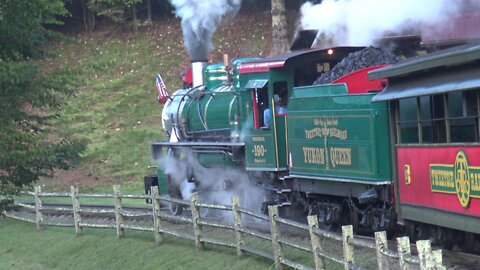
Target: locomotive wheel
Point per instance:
(176, 209)
(325, 220)
(174, 192)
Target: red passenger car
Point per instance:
(434, 106)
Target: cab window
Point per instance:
(259, 105)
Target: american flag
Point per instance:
(162, 89)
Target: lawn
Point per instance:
(21, 247)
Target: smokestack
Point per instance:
(226, 60)
(197, 72)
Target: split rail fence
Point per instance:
(426, 259)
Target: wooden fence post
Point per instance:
(403, 244)
(348, 257)
(38, 208)
(381, 244)
(197, 228)
(438, 259)
(237, 225)
(157, 226)
(275, 231)
(315, 239)
(77, 218)
(118, 209)
(424, 248)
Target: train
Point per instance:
(382, 147)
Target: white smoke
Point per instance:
(200, 20)
(360, 22)
(215, 184)
(245, 131)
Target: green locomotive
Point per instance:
(326, 154)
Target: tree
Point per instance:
(21, 26)
(89, 20)
(29, 98)
(279, 28)
(118, 11)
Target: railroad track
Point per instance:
(452, 259)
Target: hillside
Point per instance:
(114, 108)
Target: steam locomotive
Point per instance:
(378, 147)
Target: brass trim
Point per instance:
(274, 118)
(230, 111)
(287, 150)
(205, 112)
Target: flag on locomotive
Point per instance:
(161, 89)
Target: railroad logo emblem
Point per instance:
(460, 179)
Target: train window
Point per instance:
(471, 99)
(280, 97)
(260, 104)
(463, 116)
(433, 119)
(408, 120)
(445, 118)
(463, 130)
(455, 108)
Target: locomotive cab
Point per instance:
(268, 85)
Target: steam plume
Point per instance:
(360, 22)
(200, 20)
(215, 184)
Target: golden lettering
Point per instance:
(313, 155)
(326, 132)
(258, 139)
(442, 178)
(340, 156)
(475, 181)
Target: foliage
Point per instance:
(28, 149)
(29, 97)
(116, 10)
(22, 26)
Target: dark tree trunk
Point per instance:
(279, 28)
(135, 20)
(88, 16)
(149, 10)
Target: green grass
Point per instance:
(114, 109)
(58, 248)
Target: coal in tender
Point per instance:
(367, 57)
